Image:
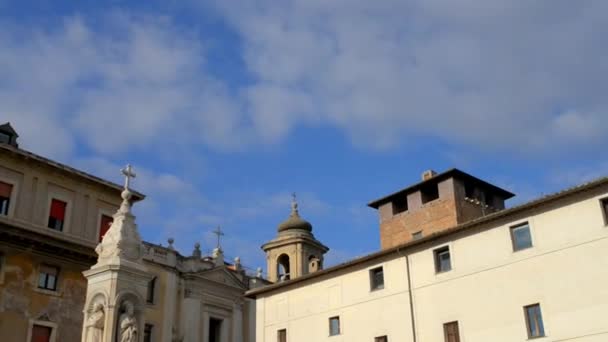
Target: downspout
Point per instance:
(410, 292)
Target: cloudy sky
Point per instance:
(226, 107)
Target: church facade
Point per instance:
(455, 265)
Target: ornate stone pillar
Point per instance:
(191, 318)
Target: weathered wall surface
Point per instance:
(21, 302)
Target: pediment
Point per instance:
(222, 275)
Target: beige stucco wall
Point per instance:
(486, 290)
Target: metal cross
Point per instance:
(219, 233)
(128, 173)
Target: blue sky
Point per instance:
(227, 107)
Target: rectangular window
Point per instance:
(148, 332)
(282, 335)
(399, 205)
(41, 333)
(429, 193)
(417, 235)
(534, 321)
(450, 332)
(151, 288)
(57, 214)
(5, 197)
(334, 326)
(604, 203)
(376, 278)
(104, 225)
(520, 237)
(381, 339)
(443, 261)
(47, 277)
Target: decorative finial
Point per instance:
(128, 173)
(259, 273)
(197, 250)
(219, 233)
(237, 263)
(294, 204)
(170, 241)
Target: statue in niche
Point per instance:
(128, 324)
(94, 325)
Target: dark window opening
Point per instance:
(450, 332)
(47, 277)
(429, 193)
(151, 288)
(215, 330)
(5, 138)
(520, 237)
(443, 261)
(57, 214)
(469, 190)
(283, 267)
(41, 333)
(417, 235)
(381, 339)
(604, 203)
(5, 197)
(104, 225)
(282, 335)
(534, 321)
(399, 205)
(148, 332)
(376, 278)
(334, 326)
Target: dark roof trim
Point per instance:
(455, 173)
(27, 154)
(464, 226)
(8, 128)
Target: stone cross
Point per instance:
(128, 173)
(219, 234)
(294, 204)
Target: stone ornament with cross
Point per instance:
(218, 232)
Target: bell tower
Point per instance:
(295, 251)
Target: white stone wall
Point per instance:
(489, 284)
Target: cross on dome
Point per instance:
(128, 173)
(219, 233)
(294, 204)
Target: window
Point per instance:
(151, 288)
(282, 335)
(41, 333)
(450, 332)
(376, 278)
(442, 259)
(604, 203)
(215, 330)
(399, 205)
(148, 332)
(429, 193)
(57, 214)
(5, 197)
(520, 237)
(5, 138)
(104, 225)
(417, 235)
(334, 326)
(47, 277)
(534, 321)
(381, 339)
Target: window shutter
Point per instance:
(58, 209)
(5, 190)
(41, 333)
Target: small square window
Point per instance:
(282, 335)
(334, 326)
(57, 214)
(41, 333)
(443, 261)
(376, 278)
(148, 332)
(47, 277)
(5, 197)
(399, 205)
(417, 235)
(520, 237)
(534, 321)
(381, 339)
(604, 203)
(429, 192)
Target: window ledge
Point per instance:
(48, 292)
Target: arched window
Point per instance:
(283, 267)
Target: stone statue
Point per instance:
(94, 324)
(128, 324)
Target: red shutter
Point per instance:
(41, 333)
(58, 209)
(104, 225)
(5, 190)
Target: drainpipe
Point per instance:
(410, 292)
